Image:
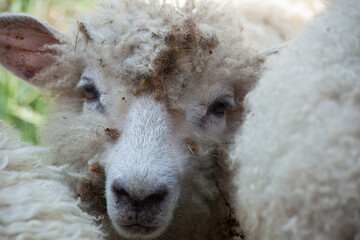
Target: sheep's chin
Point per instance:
(140, 232)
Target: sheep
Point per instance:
(298, 149)
(273, 22)
(34, 204)
(146, 98)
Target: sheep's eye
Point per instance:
(90, 91)
(219, 108)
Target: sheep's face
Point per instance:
(146, 97)
(146, 164)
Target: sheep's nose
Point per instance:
(141, 202)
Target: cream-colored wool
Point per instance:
(299, 147)
(34, 204)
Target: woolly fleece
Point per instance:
(34, 204)
(299, 147)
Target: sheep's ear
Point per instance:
(22, 41)
(274, 50)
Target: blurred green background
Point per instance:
(22, 105)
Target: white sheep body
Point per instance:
(34, 203)
(299, 147)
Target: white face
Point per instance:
(142, 171)
(144, 167)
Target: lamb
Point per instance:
(29, 207)
(147, 97)
(298, 149)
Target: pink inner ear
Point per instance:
(24, 63)
(26, 39)
(21, 42)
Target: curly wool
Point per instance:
(133, 39)
(34, 204)
(299, 147)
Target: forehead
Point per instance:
(158, 50)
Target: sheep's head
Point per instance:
(144, 91)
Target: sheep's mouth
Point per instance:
(138, 229)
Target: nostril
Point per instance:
(138, 203)
(156, 197)
(120, 193)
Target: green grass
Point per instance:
(22, 105)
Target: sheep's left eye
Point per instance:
(90, 91)
(219, 108)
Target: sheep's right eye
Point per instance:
(219, 108)
(90, 91)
